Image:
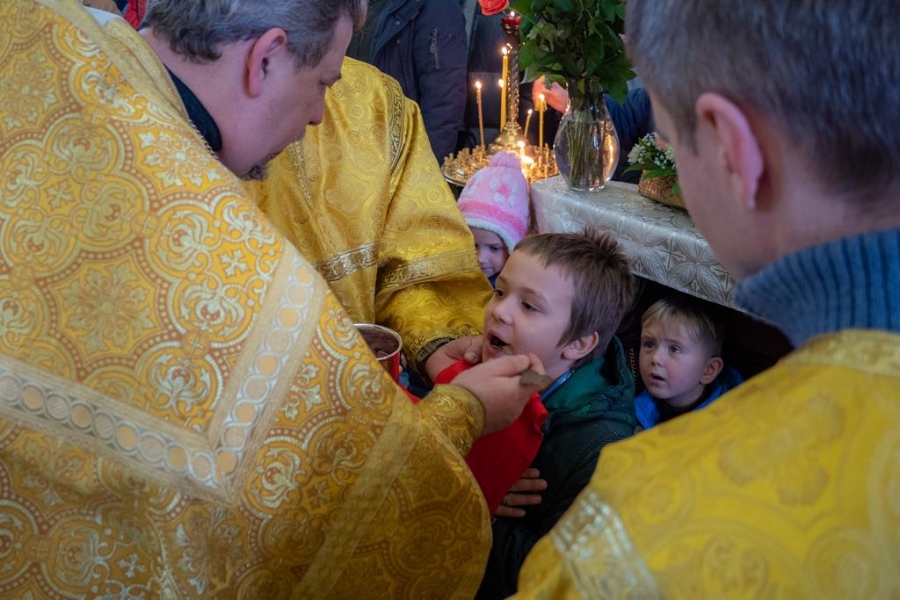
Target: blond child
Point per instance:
(680, 360)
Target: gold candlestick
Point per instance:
(510, 130)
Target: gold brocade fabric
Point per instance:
(787, 487)
(185, 409)
(362, 197)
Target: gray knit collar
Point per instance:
(853, 282)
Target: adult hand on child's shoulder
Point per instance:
(499, 386)
(468, 347)
(522, 493)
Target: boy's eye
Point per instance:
(495, 248)
(675, 350)
(498, 293)
(529, 307)
(647, 344)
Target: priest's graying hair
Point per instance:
(197, 29)
(824, 72)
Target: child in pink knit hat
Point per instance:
(495, 206)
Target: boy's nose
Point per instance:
(500, 311)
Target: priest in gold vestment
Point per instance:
(185, 408)
(399, 252)
(789, 486)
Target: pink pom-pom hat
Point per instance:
(496, 199)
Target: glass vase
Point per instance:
(586, 144)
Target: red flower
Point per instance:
(492, 7)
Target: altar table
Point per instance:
(660, 242)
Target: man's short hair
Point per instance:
(825, 72)
(198, 29)
(700, 322)
(603, 286)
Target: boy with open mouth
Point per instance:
(561, 298)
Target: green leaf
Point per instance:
(618, 89)
(523, 7)
(564, 5)
(650, 174)
(641, 166)
(526, 54)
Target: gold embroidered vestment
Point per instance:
(185, 408)
(786, 487)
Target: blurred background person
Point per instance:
(421, 44)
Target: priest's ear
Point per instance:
(264, 55)
(739, 152)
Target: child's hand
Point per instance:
(522, 494)
(464, 347)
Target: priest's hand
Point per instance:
(501, 390)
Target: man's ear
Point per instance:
(740, 153)
(714, 366)
(260, 55)
(580, 347)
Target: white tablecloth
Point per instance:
(660, 242)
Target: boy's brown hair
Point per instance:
(603, 285)
(701, 323)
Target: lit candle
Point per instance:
(500, 82)
(528, 122)
(480, 114)
(525, 161)
(503, 87)
(542, 105)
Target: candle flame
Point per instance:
(477, 85)
(530, 112)
(500, 82)
(505, 50)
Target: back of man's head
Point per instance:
(198, 29)
(603, 285)
(822, 72)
